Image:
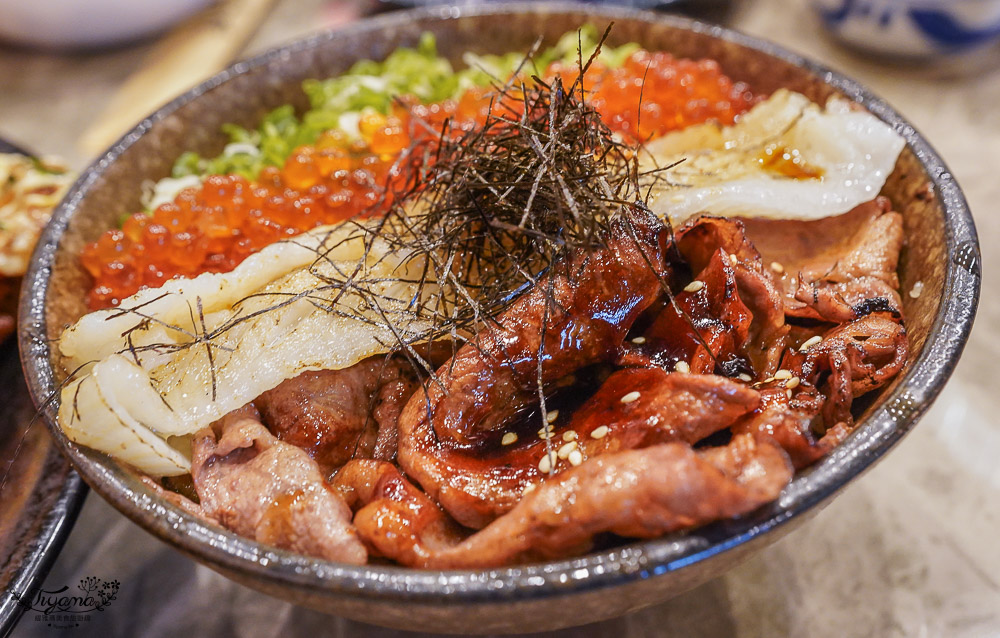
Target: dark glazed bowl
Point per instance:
(40, 494)
(942, 252)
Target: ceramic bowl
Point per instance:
(916, 29)
(942, 253)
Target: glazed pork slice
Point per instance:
(699, 241)
(578, 314)
(634, 493)
(836, 269)
(393, 517)
(848, 361)
(669, 406)
(790, 424)
(706, 328)
(265, 489)
(859, 356)
(478, 484)
(337, 415)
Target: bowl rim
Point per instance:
(222, 549)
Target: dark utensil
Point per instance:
(40, 496)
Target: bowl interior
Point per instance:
(941, 252)
(244, 94)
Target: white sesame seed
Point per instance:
(917, 290)
(566, 449)
(810, 342)
(509, 439)
(546, 463)
(682, 366)
(529, 488)
(630, 397)
(788, 393)
(793, 383)
(600, 432)
(733, 260)
(575, 458)
(552, 416)
(745, 377)
(783, 374)
(570, 435)
(767, 380)
(778, 268)
(545, 433)
(639, 340)
(694, 286)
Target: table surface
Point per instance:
(908, 550)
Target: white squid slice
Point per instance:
(173, 306)
(720, 169)
(90, 417)
(257, 331)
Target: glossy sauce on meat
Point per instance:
(338, 415)
(707, 328)
(587, 305)
(664, 411)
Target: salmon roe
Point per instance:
(216, 226)
(655, 93)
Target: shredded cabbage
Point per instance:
(370, 85)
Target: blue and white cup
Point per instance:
(913, 28)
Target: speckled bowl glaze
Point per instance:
(942, 252)
(40, 494)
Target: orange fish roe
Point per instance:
(674, 94)
(215, 227)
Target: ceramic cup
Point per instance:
(922, 29)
